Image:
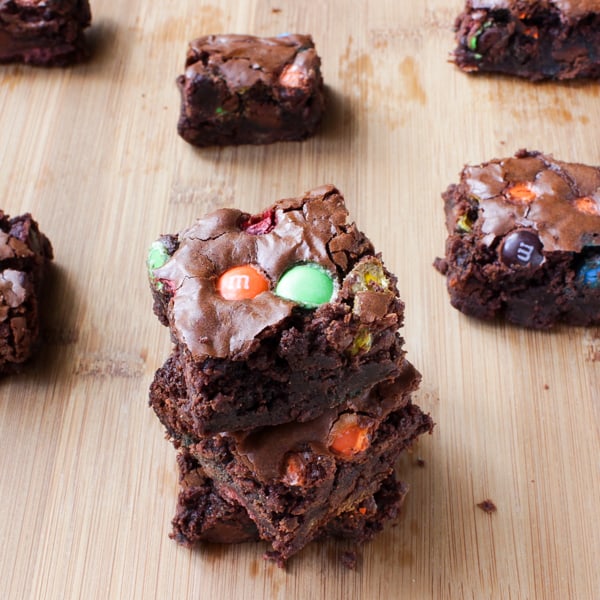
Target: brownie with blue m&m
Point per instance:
(524, 241)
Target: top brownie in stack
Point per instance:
(542, 39)
(524, 241)
(43, 33)
(242, 89)
(24, 257)
(276, 317)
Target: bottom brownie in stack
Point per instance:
(293, 483)
(202, 515)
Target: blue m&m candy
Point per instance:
(309, 284)
(589, 273)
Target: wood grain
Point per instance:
(87, 482)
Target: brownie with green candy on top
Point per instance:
(275, 317)
(25, 255)
(524, 241)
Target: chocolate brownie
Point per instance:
(275, 318)
(43, 32)
(24, 257)
(202, 515)
(524, 241)
(544, 39)
(242, 89)
(293, 479)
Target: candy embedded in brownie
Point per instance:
(25, 254)
(544, 39)
(242, 89)
(202, 515)
(294, 478)
(299, 481)
(524, 241)
(276, 317)
(43, 32)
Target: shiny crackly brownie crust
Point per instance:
(269, 360)
(545, 39)
(242, 89)
(524, 241)
(25, 254)
(43, 32)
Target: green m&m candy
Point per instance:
(158, 255)
(310, 285)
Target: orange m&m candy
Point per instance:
(242, 283)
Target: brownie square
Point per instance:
(25, 254)
(544, 39)
(203, 516)
(299, 481)
(524, 241)
(273, 354)
(242, 89)
(43, 33)
(294, 479)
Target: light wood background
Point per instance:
(87, 482)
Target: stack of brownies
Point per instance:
(287, 393)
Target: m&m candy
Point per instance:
(242, 283)
(309, 284)
(158, 255)
(521, 248)
(589, 273)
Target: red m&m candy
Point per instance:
(242, 283)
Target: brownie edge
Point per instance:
(25, 254)
(242, 89)
(524, 241)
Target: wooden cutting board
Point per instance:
(87, 481)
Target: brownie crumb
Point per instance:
(350, 559)
(487, 506)
(546, 386)
(421, 462)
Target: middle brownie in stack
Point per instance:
(288, 382)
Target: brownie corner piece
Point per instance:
(524, 241)
(243, 89)
(24, 257)
(538, 40)
(47, 34)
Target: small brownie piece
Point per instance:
(543, 39)
(43, 32)
(202, 515)
(275, 318)
(241, 89)
(294, 479)
(24, 256)
(524, 241)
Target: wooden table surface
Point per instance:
(87, 481)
